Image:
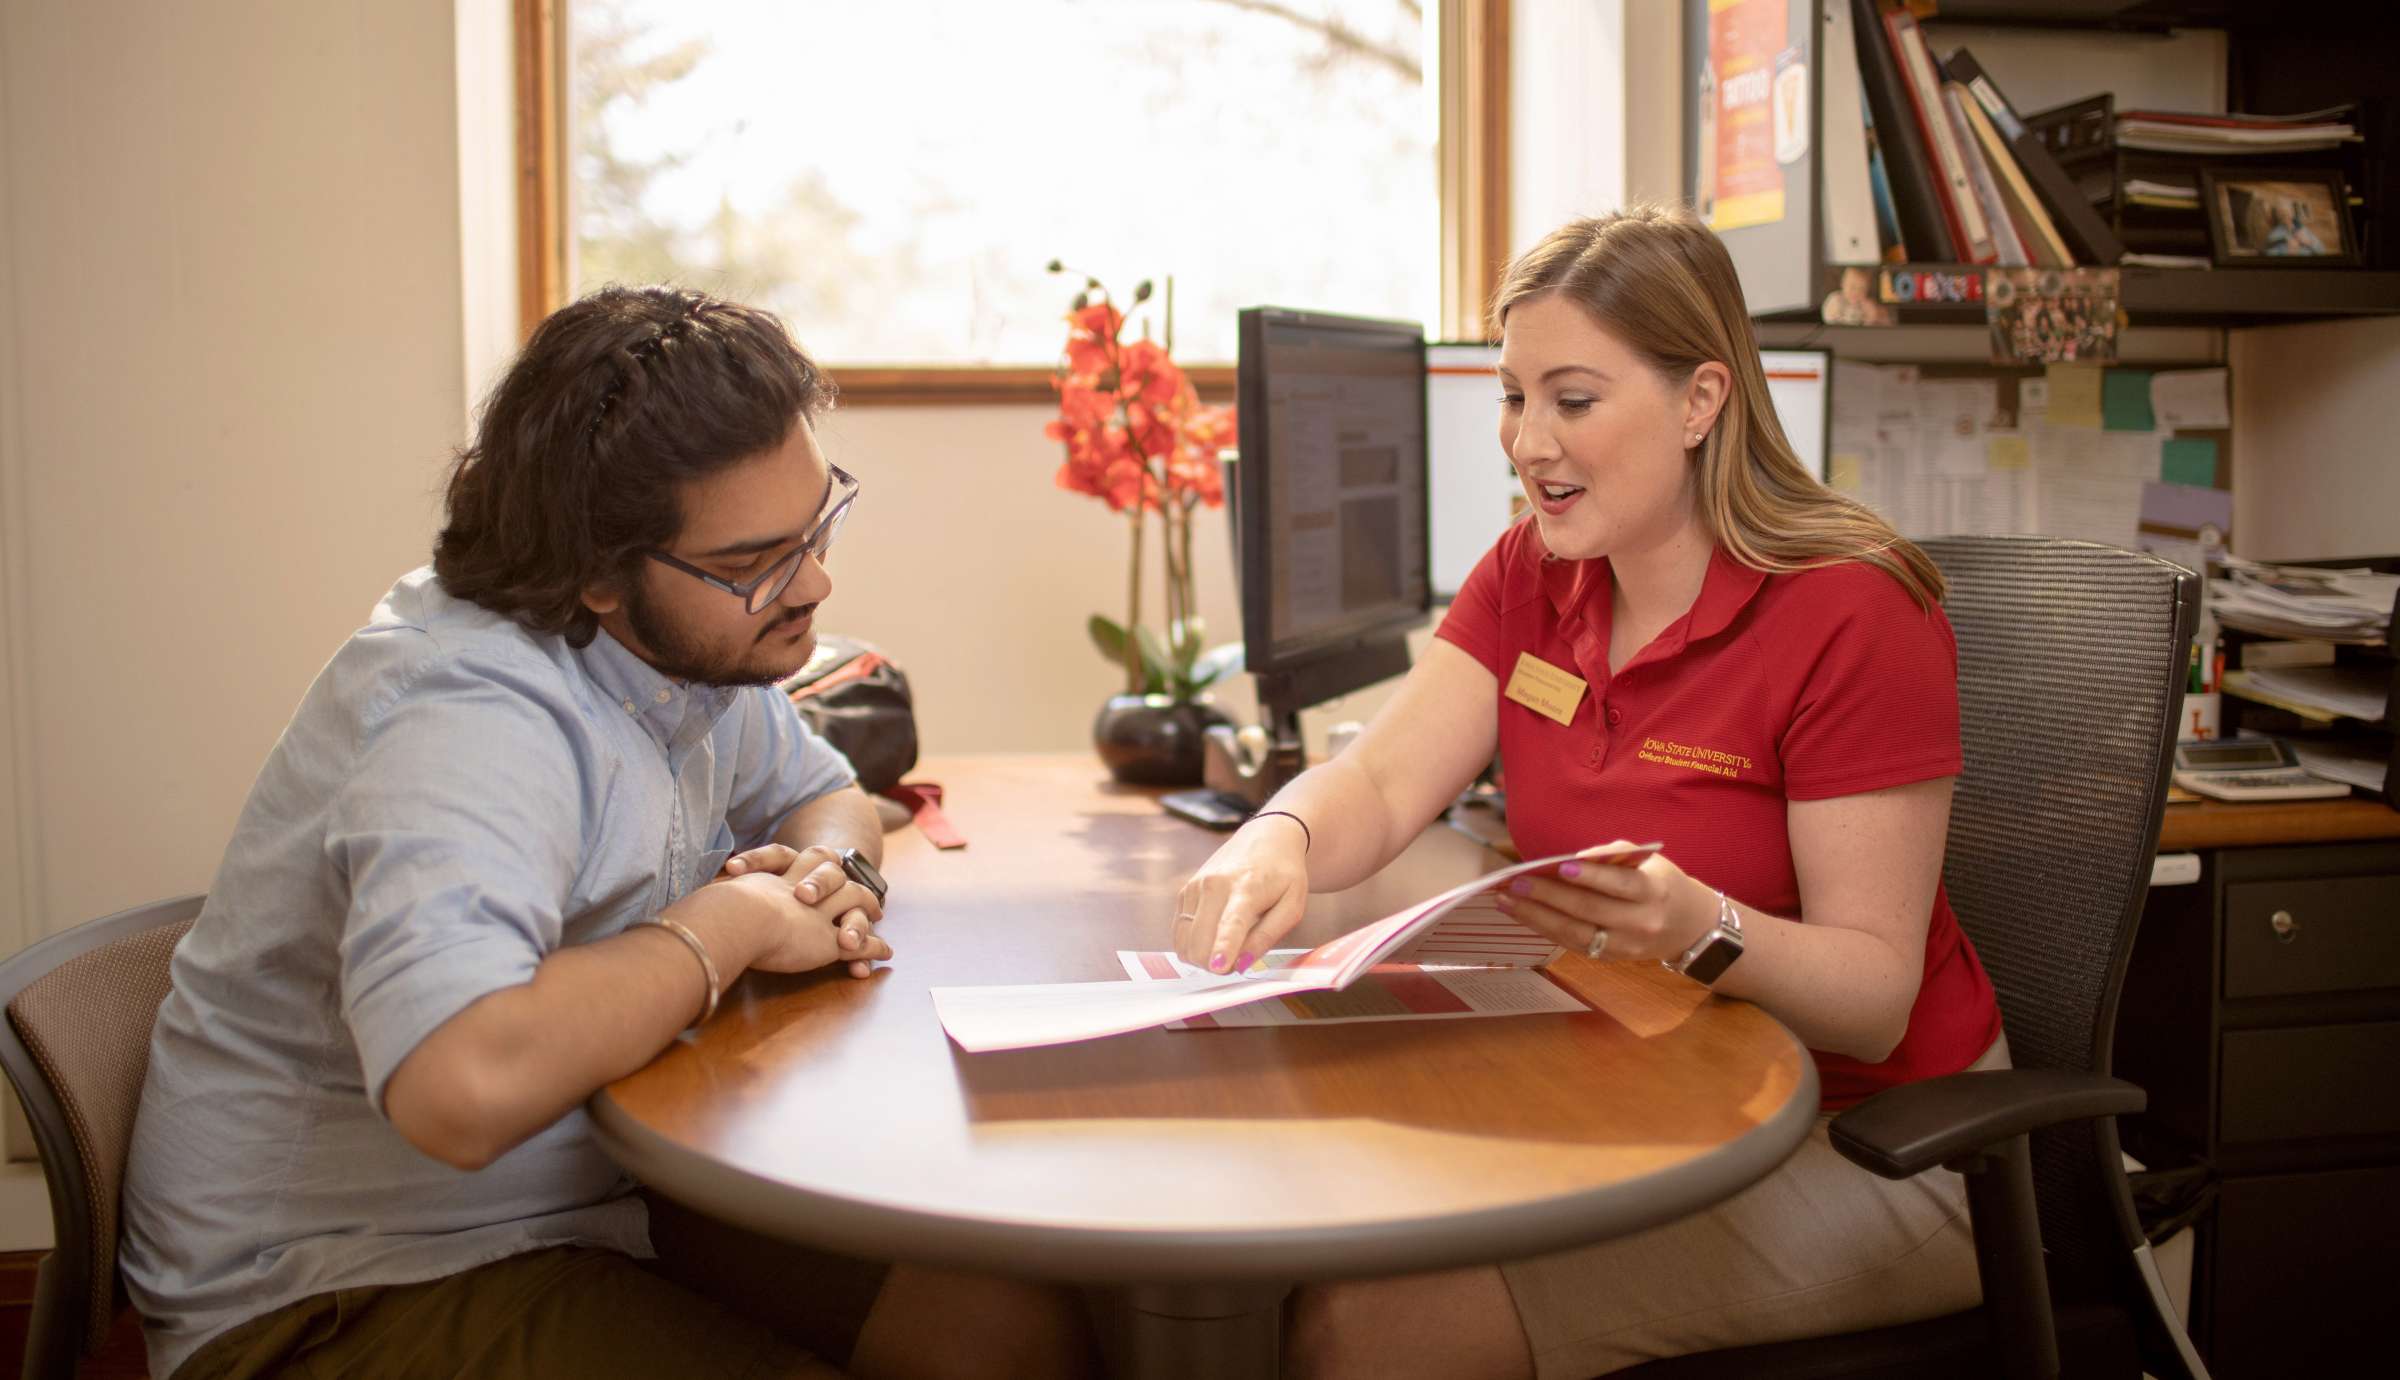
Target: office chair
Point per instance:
(76, 1045)
(2071, 667)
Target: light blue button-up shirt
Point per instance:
(455, 799)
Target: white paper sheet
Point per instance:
(1388, 992)
(2190, 399)
(1453, 923)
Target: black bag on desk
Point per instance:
(857, 700)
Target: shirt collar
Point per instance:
(669, 709)
(1725, 591)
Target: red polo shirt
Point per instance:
(1770, 689)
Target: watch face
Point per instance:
(1713, 960)
(863, 872)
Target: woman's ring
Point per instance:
(1599, 944)
(1183, 915)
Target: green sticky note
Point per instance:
(2189, 460)
(2125, 400)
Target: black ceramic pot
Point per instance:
(1150, 740)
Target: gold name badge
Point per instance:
(1544, 689)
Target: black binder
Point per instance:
(1907, 163)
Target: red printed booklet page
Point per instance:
(1457, 954)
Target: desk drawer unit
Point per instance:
(2315, 934)
(2302, 1266)
(2320, 1080)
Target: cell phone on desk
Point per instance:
(1216, 810)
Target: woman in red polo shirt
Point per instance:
(1690, 640)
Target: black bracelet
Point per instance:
(1307, 839)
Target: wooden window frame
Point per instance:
(1472, 154)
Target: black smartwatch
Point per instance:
(863, 872)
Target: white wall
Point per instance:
(235, 366)
(966, 563)
(2316, 472)
(1566, 119)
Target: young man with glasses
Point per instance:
(523, 830)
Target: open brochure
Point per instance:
(1385, 992)
(1461, 927)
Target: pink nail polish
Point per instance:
(1522, 886)
(1216, 963)
(1573, 869)
(1242, 964)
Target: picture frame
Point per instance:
(2277, 218)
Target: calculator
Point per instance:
(2248, 769)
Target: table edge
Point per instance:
(886, 1231)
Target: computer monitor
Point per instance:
(1331, 506)
(1801, 383)
(1475, 490)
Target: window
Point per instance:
(894, 178)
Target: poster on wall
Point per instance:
(1753, 107)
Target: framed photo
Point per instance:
(2268, 217)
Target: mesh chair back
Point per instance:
(2071, 661)
(80, 1009)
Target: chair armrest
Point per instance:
(1904, 1131)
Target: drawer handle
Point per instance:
(2286, 928)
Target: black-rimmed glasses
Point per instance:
(756, 594)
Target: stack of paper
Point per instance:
(2354, 763)
(2175, 131)
(2353, 692)
(2303, 601)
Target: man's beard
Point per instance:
(673, 653)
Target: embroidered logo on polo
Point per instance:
(1668, 753)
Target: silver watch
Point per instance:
(1714, 952)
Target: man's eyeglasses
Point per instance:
(756, 594)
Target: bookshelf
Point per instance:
(2273, 60)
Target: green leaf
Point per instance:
(1219, 662)
(1108, 637)
(1154, 657)
(1184, 639)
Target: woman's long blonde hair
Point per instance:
(1661, 282)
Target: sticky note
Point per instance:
(1843, 474)
(2189, 460)
(2074, 394)
(2006, 450)
(2125, 400)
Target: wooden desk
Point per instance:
(2227, 824)
(1199, 1172)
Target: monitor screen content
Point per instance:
(1333, 487)
(1475, 491)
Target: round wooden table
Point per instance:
(1200, 1172)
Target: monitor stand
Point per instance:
(1241, 770)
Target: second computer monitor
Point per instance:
(1475, 491)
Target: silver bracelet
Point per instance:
(708, 966)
